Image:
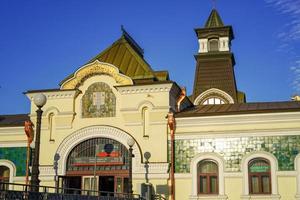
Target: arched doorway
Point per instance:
(98, 164)
(4, 177)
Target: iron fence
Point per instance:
(13, 191)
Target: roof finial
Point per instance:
(214, 4)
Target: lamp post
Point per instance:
(39, 100)
(130, 143)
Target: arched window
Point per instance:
(259, 170)
(51, 126)
(145, 118)
(207, 171)
(213, 45)
(4, 177)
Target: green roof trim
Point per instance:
(214, 20)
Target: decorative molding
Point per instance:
(9, 131)
(220, 162)
(12, 170)
(297, 167)
(15, 143)
(139, 89)
(261, 197)
(274, 168)
(208, 197)
(238, 119)
(59, 94)
(95, 68)
(213, 92)
(236, 133)
(47, 171)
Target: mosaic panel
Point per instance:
(98, 101)
(17, 155)
(284, 148)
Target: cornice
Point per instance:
(139, 89)
(60, 94)
(241, 119)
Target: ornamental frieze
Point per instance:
(92, 69)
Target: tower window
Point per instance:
(213, 45)
(212, 101)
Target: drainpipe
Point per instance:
(28, 128)
(171, 124)
(181, 98)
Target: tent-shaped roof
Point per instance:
(214, 20)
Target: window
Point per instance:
(207, 171)
(212, 101)
(213, 45)
(4, 177)
(145, 119)
(259, 170)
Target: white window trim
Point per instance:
(208, 92)
(221, 184)
(274, 168)
(297, 168)
(12, 170)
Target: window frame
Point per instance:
(260, 176)
(208, 178)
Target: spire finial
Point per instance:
(214, 3)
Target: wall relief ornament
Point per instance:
(95, 68)
(98, 101)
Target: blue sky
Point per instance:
(43, 41)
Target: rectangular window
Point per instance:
(213, 184)
(255, 184)
(266, 184)
(203, 185)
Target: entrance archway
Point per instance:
(84, 142)
(98, 164)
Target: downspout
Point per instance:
(171, 124)
(181, 98)
(28, 128)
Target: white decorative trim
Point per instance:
(259, 118)
(12, 169)
(139, 89)
(13, 143)
(203, 45)
(220, 162)
(236, 133)
(208, 92)
(297, 168)
(47, 171)
(261, 197)
(57, 94)
(274, 168)
(9, 131)
(209, 197)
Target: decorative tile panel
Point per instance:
(98, 101)
(284, 148)
(17, 155)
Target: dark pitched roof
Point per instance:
(13, 120)
(241, 108)
(214, 20)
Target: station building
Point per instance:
(224, 147)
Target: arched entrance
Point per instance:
(98, 164)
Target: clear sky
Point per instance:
(43, 41)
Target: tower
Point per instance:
(214, 76)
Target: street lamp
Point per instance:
(39, 100)
(130, 143)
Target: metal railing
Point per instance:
(13, 191)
